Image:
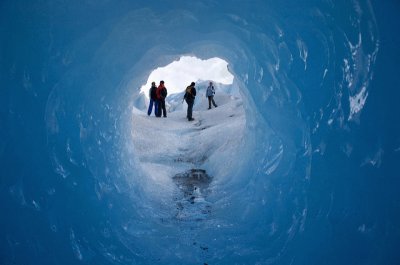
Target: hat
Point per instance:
(192, 84)
(161, 82)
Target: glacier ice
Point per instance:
(88, 178)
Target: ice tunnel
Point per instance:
(297, 165)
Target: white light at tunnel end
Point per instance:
(179, 74)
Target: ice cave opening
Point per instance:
(284, 171)
(201, 151)
(239, 156)
(179, 73)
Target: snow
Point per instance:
(188, 69)
(79, 150)
(168, 146)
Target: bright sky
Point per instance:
(179, 74)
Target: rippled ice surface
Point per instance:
(301, 155)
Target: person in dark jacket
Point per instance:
(210, 95)
(189, 97)
(153, 99)
(161, 94)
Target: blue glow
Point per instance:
(308, 173)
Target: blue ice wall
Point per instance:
(318, 178)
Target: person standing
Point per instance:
(161, 94)
(210, 95)
(189, 97)
(153, 99)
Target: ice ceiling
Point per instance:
(302, 71)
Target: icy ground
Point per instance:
(169, 146)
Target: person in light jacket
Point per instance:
(210, 95)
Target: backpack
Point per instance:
(163, 92)
(210, 91)
(188, 92)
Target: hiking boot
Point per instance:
(190, 119)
